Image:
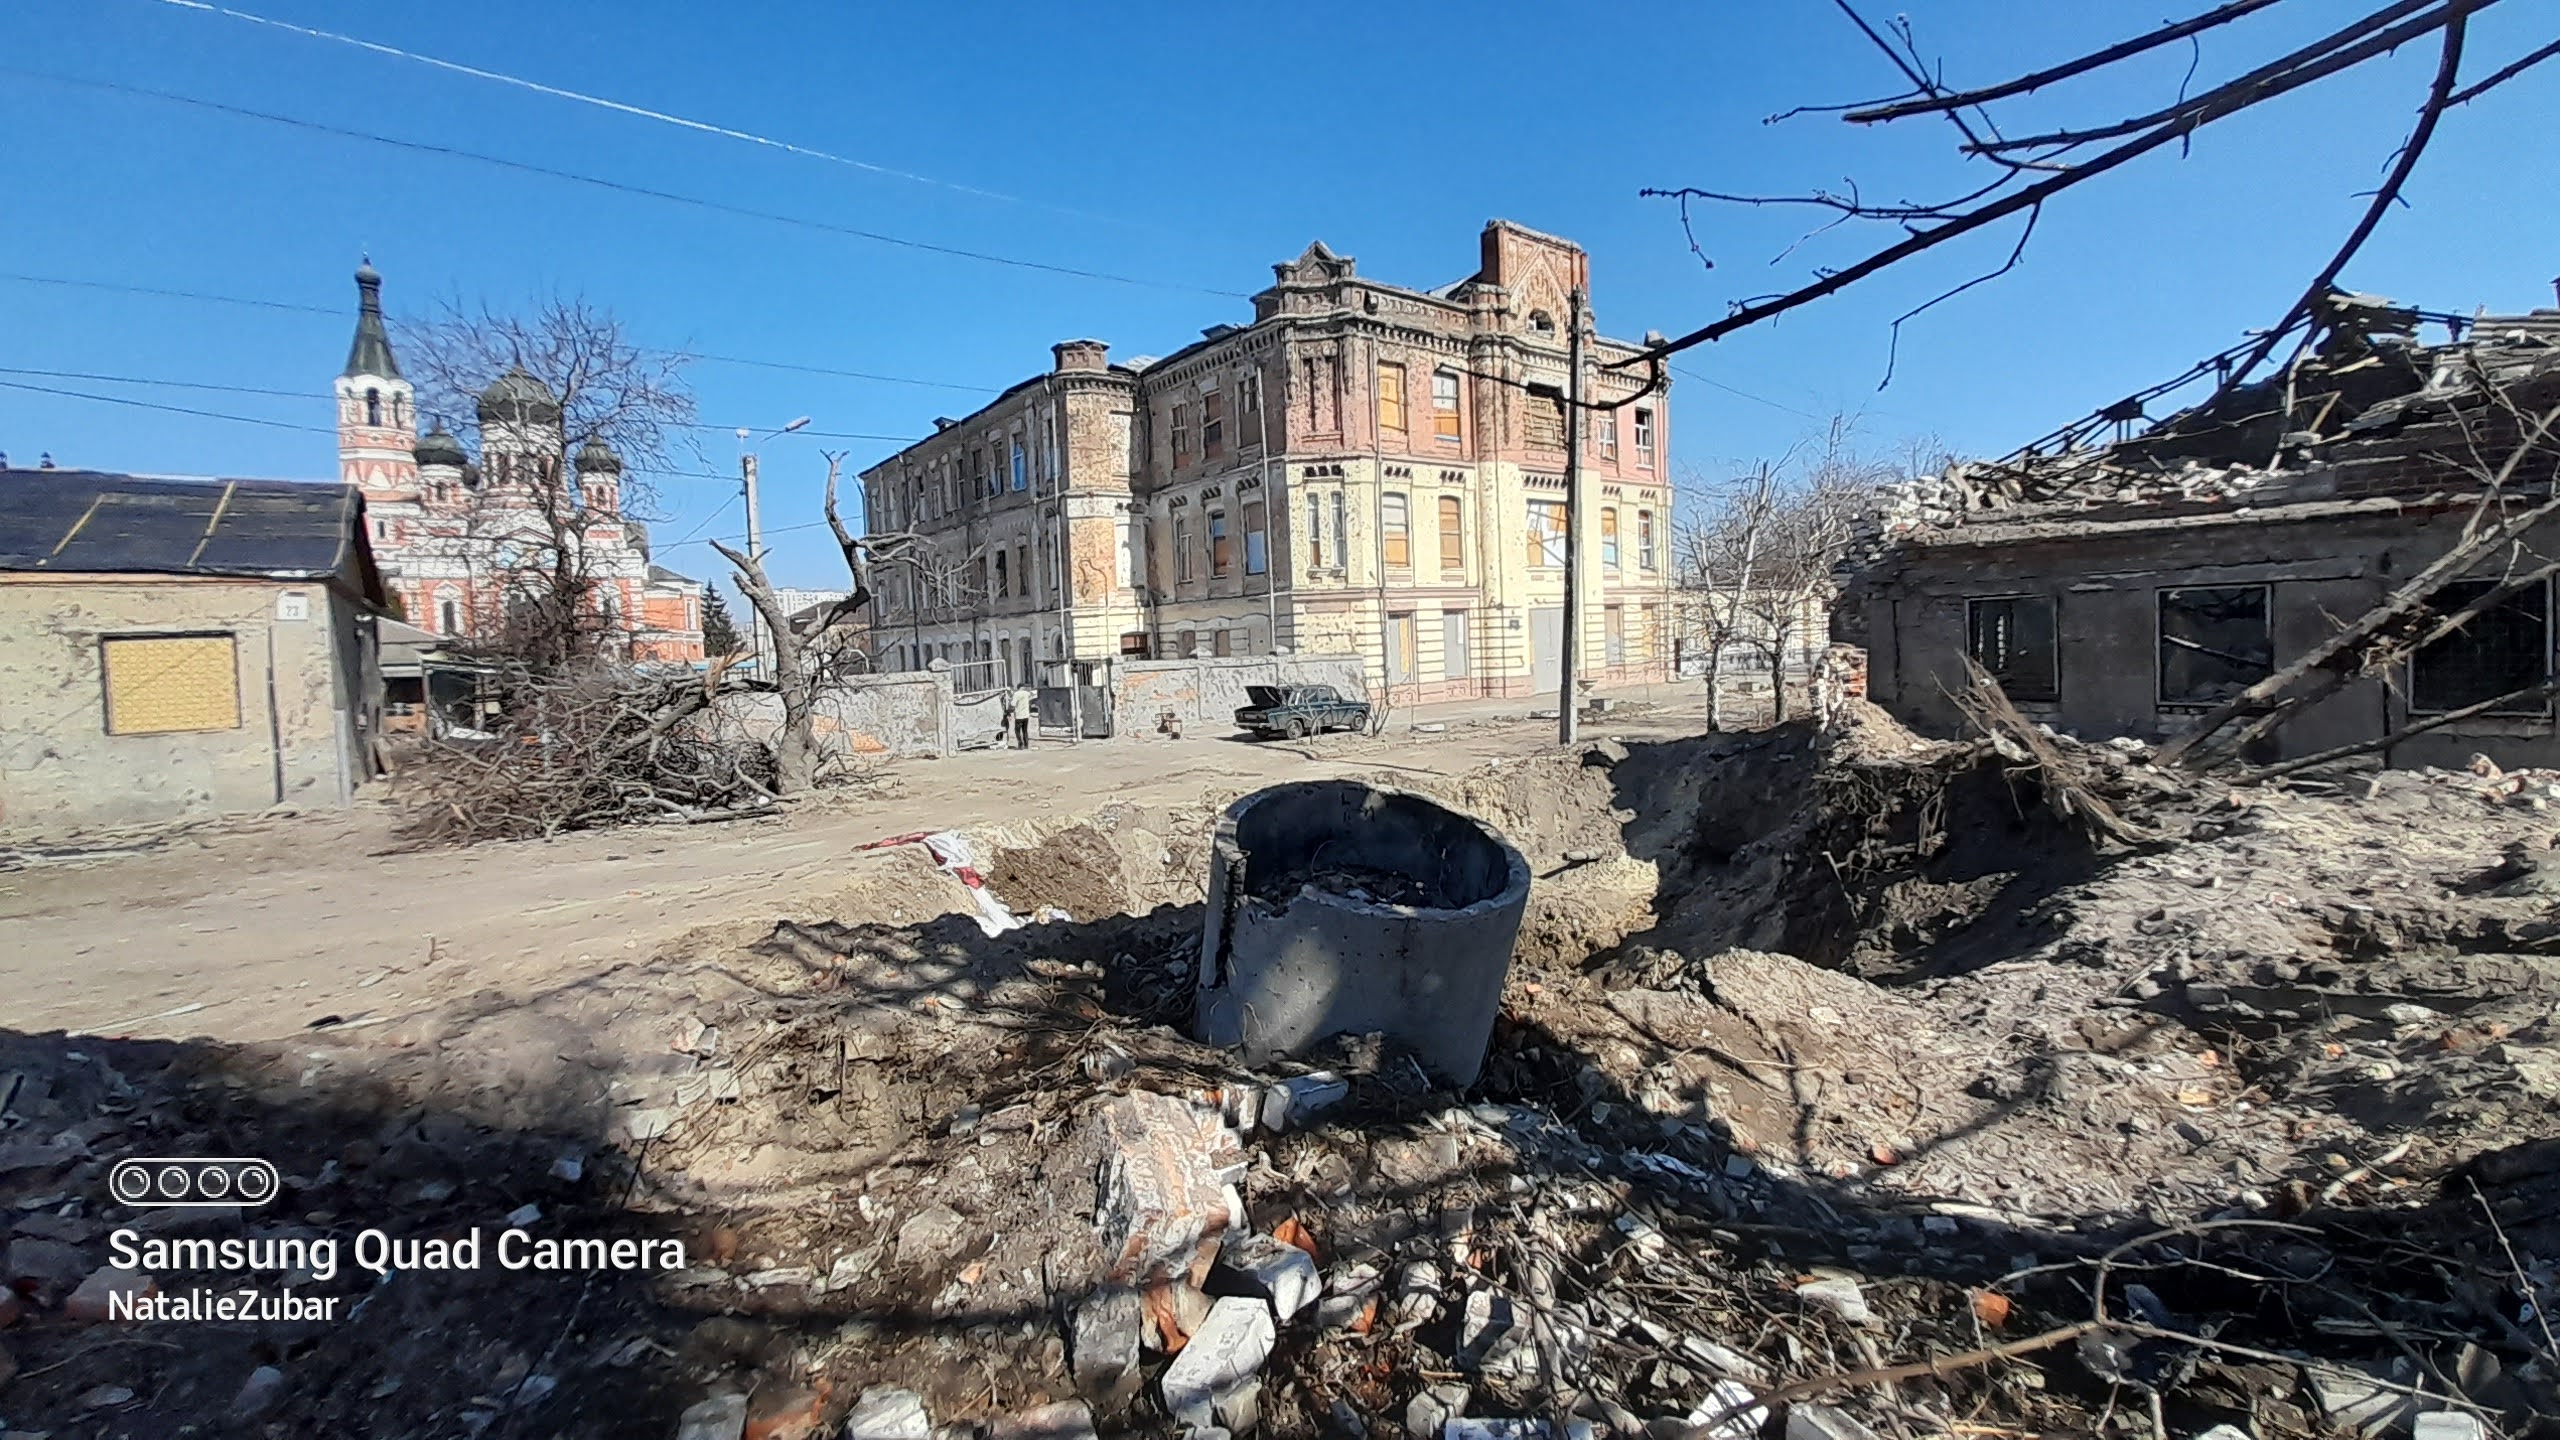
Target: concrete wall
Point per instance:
(861, 717)
(2321, 574)
(1207, 693)
(309, 692)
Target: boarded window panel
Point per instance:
(160, 684)
(2214, 643)
(1399, 533)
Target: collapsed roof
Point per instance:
(2366, 410)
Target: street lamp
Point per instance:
(755, 525)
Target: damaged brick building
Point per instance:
(1364, 469)
(2132, 587)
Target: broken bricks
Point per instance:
(1265, 1269)
(1166, 1164)
(1216, 1370)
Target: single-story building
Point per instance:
(175, 648)
(2128, 588)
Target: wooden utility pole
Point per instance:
(1565, 719)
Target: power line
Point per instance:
(172, 409)
(617, 106)
(340, 313)
(622, 187)
(171, 384)
(1745, 394)
(317, 397)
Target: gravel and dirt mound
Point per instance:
(1821, 1053)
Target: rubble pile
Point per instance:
(1842, 1086)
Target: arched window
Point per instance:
(449, 611)
(373, 407)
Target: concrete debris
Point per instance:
(1064, 1420)
(1427, 1415)
(887, 1413)
(1301, 1098)
(1493, 1338)
(1225, 1356)
(258, 1394)
(106, 1293)
(2447, 1425)
(1475, 1429)
(1261, 1266)
(1730, 1412)
(1103, 1343)
(1839, 1295)
(1166, 1163)
(2358, 1398)
(722, 1417)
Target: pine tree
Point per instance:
(719, 633)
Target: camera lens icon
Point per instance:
(224, 1180)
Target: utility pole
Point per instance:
(755, 551)
(758, 641)
(1565, 718)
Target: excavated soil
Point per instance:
(1785, 1005)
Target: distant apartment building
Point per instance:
(1363, 469)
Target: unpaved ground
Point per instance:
(254, 929)
(1785, 1009)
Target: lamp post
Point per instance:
(757, 639)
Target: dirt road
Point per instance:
(254, 929)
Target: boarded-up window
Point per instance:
(1444, 404)
(159, 684)
(1398, 527)
(1546, 534)
(1542, 420)
(2499, 651)
(2013, 638)
(1453, 535)
(2214, 643)
(1391, 397)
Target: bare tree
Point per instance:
(1758, 563)
(2028, 166)
(806, 660)
(533, 393)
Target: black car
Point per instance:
(1298, 711)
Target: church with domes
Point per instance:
(453, 533)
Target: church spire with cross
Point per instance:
(377, 414)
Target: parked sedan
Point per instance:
(1298, 711)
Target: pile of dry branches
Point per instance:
(587, 748)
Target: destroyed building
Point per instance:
(2133, 586)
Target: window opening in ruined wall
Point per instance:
(2013, 638)
(2215, 641)
(2503, 649)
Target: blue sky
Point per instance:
(1189, 147)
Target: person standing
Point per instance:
(1019, 705)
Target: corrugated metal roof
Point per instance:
(90, 521)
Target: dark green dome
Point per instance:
(596, 456)
(517, 398)
(439, 448)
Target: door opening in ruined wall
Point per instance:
(2012, 637)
